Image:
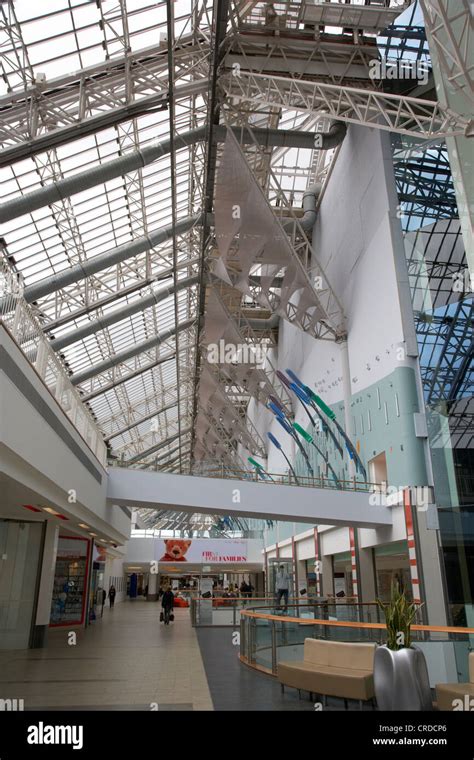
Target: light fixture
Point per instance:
(83, 525)
(53, 512)
(93, 534)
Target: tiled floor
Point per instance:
(237, 687)
(126, 660)
(129, 661)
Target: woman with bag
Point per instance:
(167, 604)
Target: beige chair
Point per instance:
(459, 696)
(334, 669)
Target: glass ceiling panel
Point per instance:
(57, 39)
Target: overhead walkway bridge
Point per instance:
(246, 498)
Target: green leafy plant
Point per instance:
(399, 615)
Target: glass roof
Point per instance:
(47, 47)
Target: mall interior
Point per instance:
(236, 355)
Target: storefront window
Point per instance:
(392, 566)
(70, 581)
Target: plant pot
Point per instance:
(401, 680)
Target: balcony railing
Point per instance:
(17, 316)
(269, 635)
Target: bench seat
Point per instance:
(335, 669)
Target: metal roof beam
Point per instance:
(107, 259)
(129, 353)
(163, 275)
(156, 447)
(102, 322)
(131, 375)
(147, 417)
(81, 181)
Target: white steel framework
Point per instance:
(86, 83)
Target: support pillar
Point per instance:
(152, 595)
(425, 561)
(45, 587)
(367, 589)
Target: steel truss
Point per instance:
(138, 370)
(450, 30)
(395, 113)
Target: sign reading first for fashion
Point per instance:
(202, 550)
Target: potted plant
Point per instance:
(400, 672)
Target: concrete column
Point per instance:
(45, 588)
(428, 552)
(152, 595)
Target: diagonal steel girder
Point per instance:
(164, 274)
(101, 323)
(394, 113)
(450, 29)
(107, 259)
(80, 377)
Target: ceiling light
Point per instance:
(83, 525)
(52, 511)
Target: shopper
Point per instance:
(103, 594)
(282, 585)
(112, 593)
(167, 604)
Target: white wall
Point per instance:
(34, 454)
(353, 241)
(114, 569)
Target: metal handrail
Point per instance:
(250, 617)
(281, 479)
(21, 323)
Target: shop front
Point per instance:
(392, 566)
(68, 606)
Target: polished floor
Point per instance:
(126, 660)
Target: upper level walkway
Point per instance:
(247, 498)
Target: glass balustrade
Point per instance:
(269, 635)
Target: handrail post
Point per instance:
(274, 653)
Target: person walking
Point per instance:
(282, 585)
(112, 593)
(103, 594)
(167, 604)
